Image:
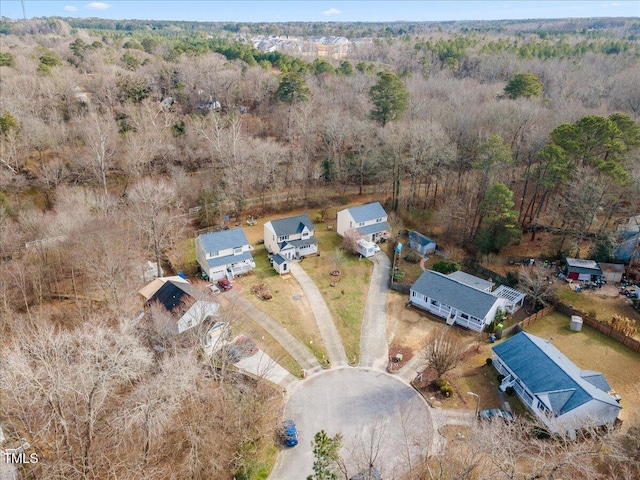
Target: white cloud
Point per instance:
(331, 11)
(97, 6)
(605, 5)
(69, 8)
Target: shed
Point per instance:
(280, 264)
(585, 270)
(421, 243)
(576, 323)
(612, 272)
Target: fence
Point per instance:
(528, 321)
(602, 327)
(400, 287)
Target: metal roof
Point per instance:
(367, 212)
(471, 280)
(453, 293)
(223, 240)
(581, 265)
(291, 225)
(547, 372)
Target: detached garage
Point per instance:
(583, 270)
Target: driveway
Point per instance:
(374, 349)
(371, 409)
(324, 319)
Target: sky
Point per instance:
(320, 11)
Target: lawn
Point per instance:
(289, 306)
(346, 300)
(592, 350)
(603, 302)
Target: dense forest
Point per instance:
(118, 139)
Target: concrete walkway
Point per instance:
(296, 349)
(326, 325)
(411, 369)
(374, 349)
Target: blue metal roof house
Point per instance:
(563, 397)
(421, 243)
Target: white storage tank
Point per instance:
(576, 323)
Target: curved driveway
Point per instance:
(324, 319)
(371, 409)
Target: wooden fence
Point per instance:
(602, 327)
(527, 321)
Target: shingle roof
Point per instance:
(370, 211)
(229, 259)
(222, 240)
(291, 225)
(373, 228)
(278, 259)
(454, 294)
(419, 238)
(299, 243)
(545, 370)
(172, 294)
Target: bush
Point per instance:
(444, 386)
(500, 378)
(488, 361)
(445, 267)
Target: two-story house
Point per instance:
(291, 237)
(369, 221)
(224, 254)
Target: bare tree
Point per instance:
(537, 282)
(99, 133)
(153, 211)
(443, 351)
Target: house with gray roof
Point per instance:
(224, 254)
(368, 221)
(582, 269)
(291, 237)
(562, 396)
(455, 301)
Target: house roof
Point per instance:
(200, 310)
(291, 225)
(278, 259)
(150, 289)
(172, 294)
(581, 265)
(370, 211)
(373, 228)
(471, 280)
(627, 245)
(612, 267)
(550, 375)
(298, 243)
(456, 294)
(419, 238)
(228, 259)
(223, 240)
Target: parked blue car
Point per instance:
(491, 413)
(290, 433)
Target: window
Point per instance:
(435, 303)
(413, 294)
(212, 254)
(305, 234)
(378, 220)
(237, 250)
(283, 238)
(465, 316)
(361, 224)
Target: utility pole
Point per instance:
(24, 12)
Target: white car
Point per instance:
(214, 288)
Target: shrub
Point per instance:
(445, 267)
(500, 378)
(623, 325)
(444, 386)
(488, 361)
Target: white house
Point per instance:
(454, 300)
(280, 264)
(197, 313)
(369, 221)
(291, 237)
(562, 396)
(224, 254)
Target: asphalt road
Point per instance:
(372, 410)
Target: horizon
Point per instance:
(251, 11)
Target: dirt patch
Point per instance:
(408, 327)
